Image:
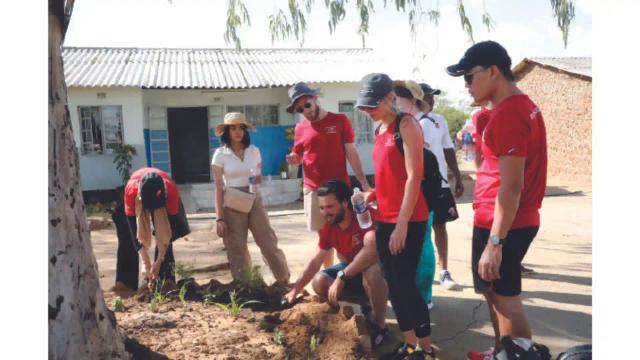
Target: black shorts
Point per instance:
(513, 251)
(444, 209)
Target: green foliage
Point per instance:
(157, 297)
(564, 12)
(455, 118)
(283, 167)
(313, 344)
(250, 280)
(118, 304)
(279, 337)
(234, 307)
(182, 293)
(237, 16)
(124, 153)
(183, 271)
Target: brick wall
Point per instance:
(565, 102)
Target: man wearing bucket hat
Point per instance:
(151, 196)
(509, 190)
(235, 166)
(323, 143)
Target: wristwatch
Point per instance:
(495, 240)
(341, 275)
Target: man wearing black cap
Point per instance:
(323, 142)
(509, 189)
(151, 197)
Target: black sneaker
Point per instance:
(376, 333)
(422, 355)
(401, 352)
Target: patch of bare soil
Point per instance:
(158, 325)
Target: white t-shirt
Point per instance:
(437, 138)
(237, 172)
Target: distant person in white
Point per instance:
(437, 139)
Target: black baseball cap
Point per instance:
(428, 90)
(485, 53)
(299, 90)
(373, 88)
(152, 191)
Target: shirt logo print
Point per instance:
(355, 240)
(330, 129)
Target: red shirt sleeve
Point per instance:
(298, 140)
(130, 193)
(173, 198)
(508, 133)
(348, 134)
(324, 242)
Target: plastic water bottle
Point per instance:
(253, 182)
(468, 147)
(362, 212)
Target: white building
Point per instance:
(167, 102)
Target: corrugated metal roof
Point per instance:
(217, 68)
(573, 65)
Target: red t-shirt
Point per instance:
(321, 145)
(391, 176)
(516, 128)
(347, 242)
(480, 120)
(131, 191)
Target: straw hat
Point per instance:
(234, 118)
(412, 86)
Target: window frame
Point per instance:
(357, 118)
(276, 107)
(87, 140)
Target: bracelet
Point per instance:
(218, 220)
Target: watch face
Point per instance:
(495, 239)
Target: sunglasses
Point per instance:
(468, 77)
(307, 105)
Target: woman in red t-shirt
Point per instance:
(402, 211)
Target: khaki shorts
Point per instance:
(315, 221)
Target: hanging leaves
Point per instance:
(564, 12)
(464, 21)
(237, 16)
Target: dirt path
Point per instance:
(557, 297)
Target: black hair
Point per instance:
(339, 189)
(403, 92)
(225, 138)
(506, 72)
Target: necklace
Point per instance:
(239, 154)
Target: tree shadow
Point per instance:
(565, 298)
(578, 280)
(141, 352)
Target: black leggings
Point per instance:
(400, 272)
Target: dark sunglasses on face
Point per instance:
(307, 105)
(468, 77)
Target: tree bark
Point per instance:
(80, 325)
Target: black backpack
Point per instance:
(432, 179)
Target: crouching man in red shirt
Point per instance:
(358, 277)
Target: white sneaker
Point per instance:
(430, 305)
(447, 281)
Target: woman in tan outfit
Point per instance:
(239, 210)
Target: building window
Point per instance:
(101, 128)
(361, 122)
(258, 115)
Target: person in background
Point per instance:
(323, 143)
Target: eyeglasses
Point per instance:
(307, 105)
(468, 77)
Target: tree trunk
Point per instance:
(80, 325)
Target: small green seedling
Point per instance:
(234, 307)
(279, 337)
(313, 344)
(118, 304)
(182, 293)
(157, 297)
(183, 271)
(251, 317)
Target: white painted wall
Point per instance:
(97, 172)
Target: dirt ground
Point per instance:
(557, 296)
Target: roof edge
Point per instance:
(526, 61)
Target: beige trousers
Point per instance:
(235, 241)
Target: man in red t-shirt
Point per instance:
(358, 276)
(323, 142)
(509, 188)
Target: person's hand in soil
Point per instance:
(335, 290)
(155, 269)
(220, 228)
(291, 296)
